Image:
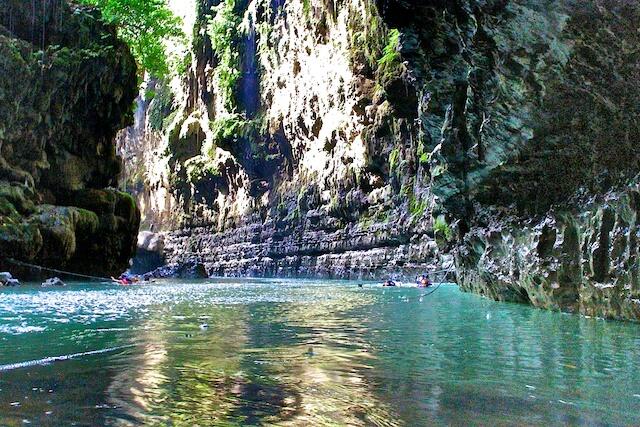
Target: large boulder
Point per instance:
(150, 252)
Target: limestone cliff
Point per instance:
(66, 87)
(362, 137)
(291, 147)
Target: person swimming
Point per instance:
(389, 283)
(423, 281)
(127, 279)
(123, 280)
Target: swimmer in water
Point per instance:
(423, 281)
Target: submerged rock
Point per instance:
(52, 282)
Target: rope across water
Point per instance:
(444, 280)
(53, 270)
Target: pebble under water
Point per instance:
(284, 352)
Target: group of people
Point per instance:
(126, 279)
(422, 281)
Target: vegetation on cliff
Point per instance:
(224, 34)
(146, 26)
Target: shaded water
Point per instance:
(306, 353)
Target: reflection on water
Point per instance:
(307, 353)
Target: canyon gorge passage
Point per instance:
(335, 139)
(258, 168)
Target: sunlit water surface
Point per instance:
(306, 353)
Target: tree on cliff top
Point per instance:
(144, 25)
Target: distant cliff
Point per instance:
(365, 138)
(66, 87)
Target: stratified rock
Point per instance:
(313, 173)
(64, 93)
(52, 282)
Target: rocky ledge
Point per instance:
(582, 261)
(270, 249)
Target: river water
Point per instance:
(264, 352)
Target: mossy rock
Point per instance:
(98, 201)
(126, 206)
(57, 226)
(7, 209)
(57, 129)
(19, 239)
(16, 195)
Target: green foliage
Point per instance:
(200, 168)
(224, 32)
(391, 52)
(367, 35)
(390, 64)
(144, 25)
(161, 106)
(231, 128)
(440, 227)
(182, 65)
(306, 7)
(394, 157)
(417, 207)
(424, 156)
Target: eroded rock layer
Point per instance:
(67, 85)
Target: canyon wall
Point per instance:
(67, 85)
(291, 150)
(364, 138)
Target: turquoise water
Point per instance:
(306, 353)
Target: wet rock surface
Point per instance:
(583, 261)
(66, 86)
(538, 161)
(6, 279)
(182, 270)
